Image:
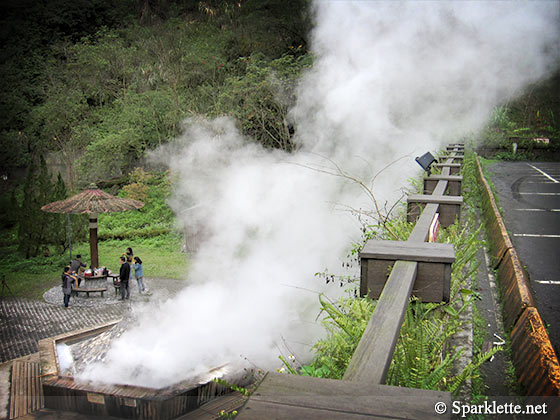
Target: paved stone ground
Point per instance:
(24, 322)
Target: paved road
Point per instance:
(529, 195)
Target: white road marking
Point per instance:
(544, 173)
(532, 235)
(540, 182)
(537, 209)
(538, 193)
(548, 282)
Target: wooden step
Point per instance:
(210, 410)
(26, 394)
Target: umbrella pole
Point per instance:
(93, 241)
(69, 236)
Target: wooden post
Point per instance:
(453, 187)
(433, 279)
(449, 207)
(94, 254)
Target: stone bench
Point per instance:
(453, 183)
(449, 207)
(76, 291)
(433, 277)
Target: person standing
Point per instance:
(124, 276)
(75, 266)
(68, 280)
(139, 274)
(129, 261)
(129, 253)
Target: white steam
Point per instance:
(389, 80)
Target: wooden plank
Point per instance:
(453, 168)
(408, 251)
(11, 414)
(210, 410)
(285, 396)
(444, 178)
(25, 391)
(28, 388)
(422, 228)
(440, 199)
(21, 389)
(373, 355)
(447, 165)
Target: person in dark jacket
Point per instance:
(124, 276)
(68, 282)
(75, 266)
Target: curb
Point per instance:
(533, 356)
(536, 360)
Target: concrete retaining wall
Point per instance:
(535, 361)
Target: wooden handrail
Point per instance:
(372, 358)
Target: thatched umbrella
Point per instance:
(92, 201)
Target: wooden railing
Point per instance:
(374, 353)
(361, 393)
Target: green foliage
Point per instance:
(33, 224)
(514, 124)
(155, 218)
(260, 95)
(101, 90)
(241, 390)
(30, 28)
(9, 209)
(518, 156)
(345, 321)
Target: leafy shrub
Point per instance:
(155, 218)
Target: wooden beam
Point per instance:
(373, 355)
(433, 198)
(408, 251)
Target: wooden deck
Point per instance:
(26, 395)
(291, 397)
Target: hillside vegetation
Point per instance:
(95, 84)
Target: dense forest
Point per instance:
(88, 86)
(99, 82)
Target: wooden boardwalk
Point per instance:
(26, 395)
(292, 397)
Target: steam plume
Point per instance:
(389, 79)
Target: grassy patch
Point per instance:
(29, 285)
(161, 255)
